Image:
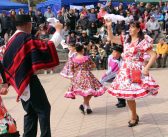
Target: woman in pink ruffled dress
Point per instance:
(133, 80)
(83, 82)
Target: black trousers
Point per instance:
(37, 108)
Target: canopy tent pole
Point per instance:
(28, 1)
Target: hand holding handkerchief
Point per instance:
(52, 21)
(114, 18)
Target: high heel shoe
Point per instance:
(132, 124)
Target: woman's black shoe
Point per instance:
(121, 105)
(89, 111)
(130, 124)
(82, 109)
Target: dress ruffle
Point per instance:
(85, 93)
(142, 90)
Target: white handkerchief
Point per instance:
(52, 21)
(114, 17)
(64, 45)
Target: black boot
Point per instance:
(121, 103)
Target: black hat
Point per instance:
(118, 48)
(72, 31)
(21, 19)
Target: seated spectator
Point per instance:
(94, 54)
(162, 53)
(65, 32)
(42, 33)
(103, 57)
(71, 37)
(142, 24)
(93, 33)
(79, 30)
(84, 38)
(146, 16)
(153, 28)
(159, 17)
(83, 22)
(100, 16)
(92, 16)
(120, 27)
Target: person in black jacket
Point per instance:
(5, 24)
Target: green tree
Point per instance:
(33, 2)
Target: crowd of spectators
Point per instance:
(87, 25)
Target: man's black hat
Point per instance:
(118, 48)
(21, 19)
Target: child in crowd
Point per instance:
(7, 123)
(66, 70)
(114, 61)
(83, 82)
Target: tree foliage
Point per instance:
(33, 2)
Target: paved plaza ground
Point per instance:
(106, 120)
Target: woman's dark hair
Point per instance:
(140, 33)
(79, 47)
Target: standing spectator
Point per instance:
(141, 8)
(109, 8)
(6, 23)
(13, 26)
(71, 19)
(48, 13)
(40, 18)
(162, 53)
(33, 20)
(60, 17)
